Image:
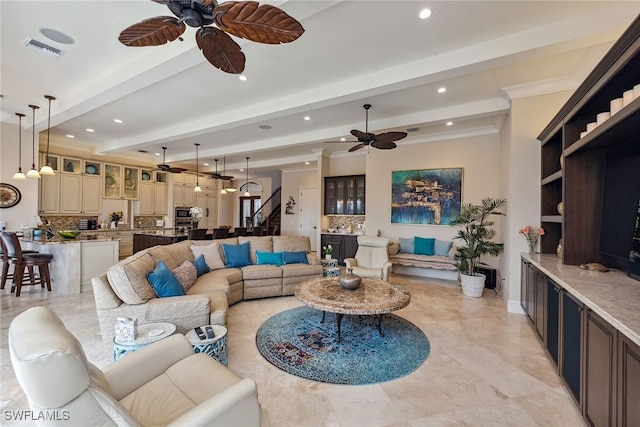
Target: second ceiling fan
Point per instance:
(382, 141)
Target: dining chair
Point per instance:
(258, 231)
(198, 234)
(240, 231)
(23, 260)
(220, 233)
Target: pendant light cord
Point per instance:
(50, 98)
(20, 116)
(33, 137)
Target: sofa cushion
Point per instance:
(186, 274)
(424, 246)
(299, 257)
(232, 275)
(406, 245)
(257, 243)
(228, 241)
(394, 248)
(211, 253)
(298, 270)
(128, 278)
(273, 258)
(164, 282)
(201, 266)
(237, 255)
(164, 254)
(291, 244)
(442, 247)
(259, 272)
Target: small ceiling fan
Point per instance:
(382, 141)
(245, 19)
(216, 175)
(165, 167)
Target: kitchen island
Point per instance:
(75, 261)
(149, 238)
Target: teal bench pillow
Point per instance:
(442, 247)
(406, 245)
(424, 245)
(299, 257)
(236, 255)
(272, 258)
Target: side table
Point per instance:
(215, 347)
(330, 267)
(147, 333)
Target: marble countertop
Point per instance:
(613, 295)
(57, 240)
(167, 233)
(337, 233)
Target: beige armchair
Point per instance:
(163, 384)
(372, 258)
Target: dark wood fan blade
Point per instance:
(177, 170)
(386, 137)
(262, 24)
(340, 142)
(387, 145)
(220, 50)
(356, 147)
(366, 138)
(152, 32)
(161, 1)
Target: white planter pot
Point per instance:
(472, 286)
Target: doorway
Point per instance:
(309, 214)
(248, 207)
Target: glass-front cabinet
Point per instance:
(344, 195)
(121, 182)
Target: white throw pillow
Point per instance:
(211, 255)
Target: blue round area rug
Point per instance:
(298, 343)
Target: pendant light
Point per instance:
(230, 188)
(197, 189)
(19, 176)
(33, 172)
(246, 192)
(224, 169)
(47, 169)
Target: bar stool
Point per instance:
(198, 234)
(21, 260)
(240, 231)
(220, 233)
(6, 261)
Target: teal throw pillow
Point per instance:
(201, 266)
(236, 255)
(442, 247)
(164, 282)
(424, 245)
(406, 245)
(273, 258)
(299, 257)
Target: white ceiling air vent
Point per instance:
(42, 47)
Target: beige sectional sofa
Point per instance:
(124, 290)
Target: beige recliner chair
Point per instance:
(163, 384)
(372, 258)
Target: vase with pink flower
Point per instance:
(532, 235)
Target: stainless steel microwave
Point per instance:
(182, 214)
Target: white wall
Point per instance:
(24, 211)
(291, 184)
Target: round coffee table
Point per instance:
(372, 298)
(147, 333)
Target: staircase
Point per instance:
(268, 216)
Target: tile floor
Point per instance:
(486, 367)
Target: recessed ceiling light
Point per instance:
(157, 154)
(306, 163)
(70, 136)
(241, 170)
(449, 123)
(90, 130)
(307, 118)
(343, 139)
(57, 36)
(265, 127)
(117, 120)
(206, 164)
(442, 90)
(243, 78)
(425, 13)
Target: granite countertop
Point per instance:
(167, 233)
(613, 295)
(337, 233)
(58, 240)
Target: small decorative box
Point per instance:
(126, 329)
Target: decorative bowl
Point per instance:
(69, 234)
(350, 281)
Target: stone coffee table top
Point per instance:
(372, 297)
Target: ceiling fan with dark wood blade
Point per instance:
(245, 19)
(165, 167)
(217, 175)
(382, 141)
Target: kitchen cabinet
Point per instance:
(183, 186)
(553, 320)
(148, 240)
(344, 195)
(533, 298)
(80, 186)
(121, 182)
(125, 242)
(49, 186)
(628, 383)
(571, 345)
(207, 200)
(599, 371)
(344, 246)
(153, 193)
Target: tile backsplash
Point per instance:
(339, 221)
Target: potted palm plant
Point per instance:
(477, 233)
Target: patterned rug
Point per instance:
(296, 342)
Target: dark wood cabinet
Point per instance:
(553, 320)
(571, 345)
(628, 386)
(343, 246)
(574, 165)
(143, 241)
(540, 305)
(600, 369)
(344, 195)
